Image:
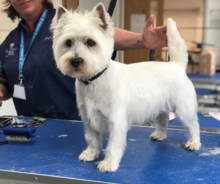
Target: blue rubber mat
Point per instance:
(56, 148)
(204, 122)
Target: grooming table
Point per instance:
(204, 122)
(205, 92)
(197, 77)
(206, 82)
(52, 157)
(208, 91)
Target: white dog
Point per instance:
(111, 96)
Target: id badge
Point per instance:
(19, 92)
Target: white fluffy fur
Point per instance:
(123, 94)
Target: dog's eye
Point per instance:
(69, 43)
(90, 43)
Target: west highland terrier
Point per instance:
(111, 96)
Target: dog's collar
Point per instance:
(88, 81)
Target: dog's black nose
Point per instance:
(76, 62)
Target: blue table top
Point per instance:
(57, 145)
(216, 76)
(204, 122)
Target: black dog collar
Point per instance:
(88, 81)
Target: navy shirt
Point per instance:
(49, 93)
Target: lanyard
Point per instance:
(22, 57)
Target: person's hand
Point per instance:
(154, 37)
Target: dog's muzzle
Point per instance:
(76, 62)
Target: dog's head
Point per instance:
(82, 42)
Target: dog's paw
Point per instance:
(89, 155)
(108, 165)
(157, 136)
(193, 146)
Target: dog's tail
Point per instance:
(176, 45)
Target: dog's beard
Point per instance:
(86, 70)
(66, 68)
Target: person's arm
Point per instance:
(4, 91)
(151, 38)
(126, 40)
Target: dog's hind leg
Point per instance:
(188, 117)
(94, 141)
(161, 123)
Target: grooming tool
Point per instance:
(5, 121)
(37, 122)
(16, 120)
(19, 133)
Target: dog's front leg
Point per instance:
(94, 141)
(116, 146)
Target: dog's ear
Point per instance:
(99, 10)
(61, 10)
